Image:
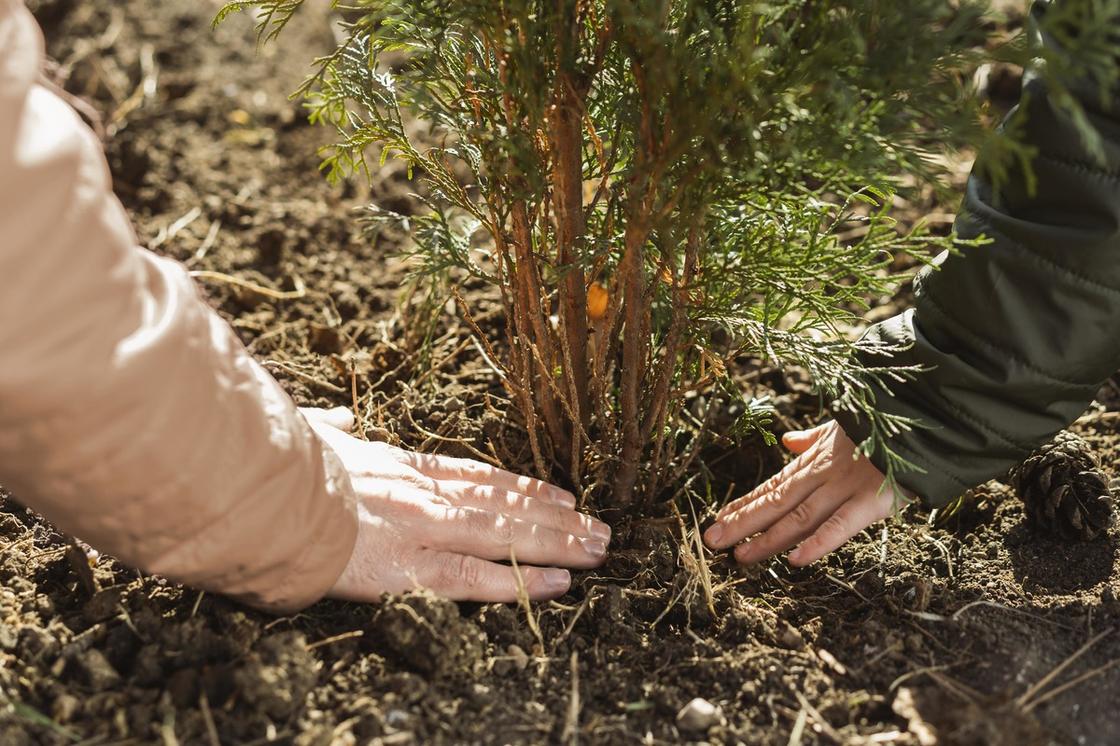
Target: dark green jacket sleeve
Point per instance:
(1017, 334)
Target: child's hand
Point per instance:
(818, 501)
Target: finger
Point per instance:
(514, 504)
(790, 470)
(493, 536)
(766, 504)
(468, 470)
(337, 417)
(852, 517)
(798, 441)
(791, 528)
(462, 577)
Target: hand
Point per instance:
(821, 499)
(443, 523)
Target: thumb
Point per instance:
(798, 441)
(340, 418)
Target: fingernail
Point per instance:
(600, 530)
(713, 534)
(555, 579)
(742, 553)
(594, 547)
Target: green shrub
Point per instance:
(659, 187)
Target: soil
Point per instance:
(919, 633)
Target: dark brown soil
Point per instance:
(914, 634)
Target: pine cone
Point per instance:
(1064, 490)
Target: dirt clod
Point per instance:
(95, 670)
(278, 675)
(427, 633)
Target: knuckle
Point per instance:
(470, 522)
(733, 507)
(494, 525)
(836, 526)
(467, 469)
(457, 571)
(542, 538)
(473, 492)
(735, 517)
(514, 501)
(421, 482)
(775, 497)
(801, 514)
(470, 572)
(564, 519)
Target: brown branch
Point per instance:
(533, 326)
(632, 280)
(566, 135)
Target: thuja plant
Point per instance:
(656, 188)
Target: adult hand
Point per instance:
(444, 523)
(821, 499)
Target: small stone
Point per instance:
(790, 637)
(520, 657)
(398, 719)
(325, 340)
(9, 637)
(65, 707)
(923, 589)
(95, 669)
(698, 716)
(104, 604)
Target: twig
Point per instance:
(846, 586)
(304, 376)
(424, 376)
(1070, 684)
(1025, 698)
(571, 726)
(464, 442)
(958, 689)
(207, 243)
(358, 422)
(957, 614)
(145, 90)
(336, 638)
(917, 672)
(825, 725)
(572, 622)
(168, 233)
(207, 718)
(299, 292)
(798, 731)
(486, 359)
(523, 600)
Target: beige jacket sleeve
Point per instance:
(130, 415)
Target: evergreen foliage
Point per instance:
(659, 187)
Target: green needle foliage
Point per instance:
(656, 188)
